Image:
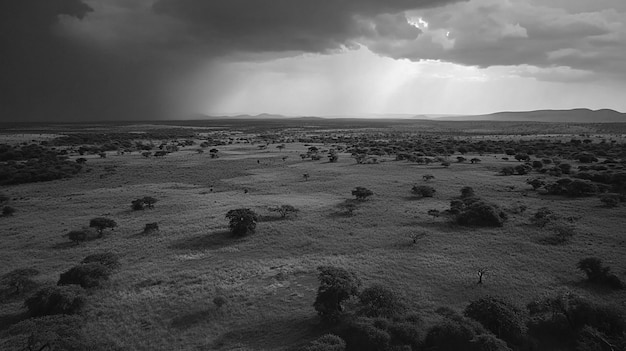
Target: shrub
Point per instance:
(542, 217)
(367, 334)
(242, 221)
(149, 201)
(478, 212)
(500, 316)
(151, 227)
(507, 171)
(427, 177)
(77, 236)
(107, 259)
(536, 183)
(467, 191)
(55, 300)
(137, 205)
(17, 282)
(423, 190)
(336, 286)
(327, 342)
(89, 275)
(456, 333)
(102, 223)
(379, 301)
(362, 193)
(8, 211)
(59, 332)
(597, 273)
(284, 210)
(562, 233)
(611, 200)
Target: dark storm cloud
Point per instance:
(125, 59)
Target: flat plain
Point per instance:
(162, 297)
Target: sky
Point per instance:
(93, 60)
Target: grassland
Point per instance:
(161, 299)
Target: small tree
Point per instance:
(19, 281)
(137, 205)
(306, 176)
(107, 259)
(55, 300)
(500, 316)
(149, 201)
(362, 193)
(102, 223)
(475, 160)
(597, 273)
(77, 236)
(536, 183)
(151, 227)
(423, 190)
(242, 221)
(379, 301)
(467, 191)
(427, 177)
(89, 275)
(284, 210)
(336, 286)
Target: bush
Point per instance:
(242, 221)
(457, 333)
(102, 223)
(507, 171)
(423, 190)
(107, 259)
(477, 212)
(151, 227)
(60, 332)
(17, 282)
(362, 193)
(55, 300)
(542, 217)
(367, 334)
(8, 211)
(77, 236)
(379, 301)
(562, 233)
(327, 342)
(219, 301)
(336, 286)
(284, 210)
(536, 183)
(467, 191)
(611, 200)
(500, 316)
(597, 273)
(89, 275)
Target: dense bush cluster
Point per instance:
(474, 211)
(33, 163)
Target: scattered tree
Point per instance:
(379, 301)
(89, 275)
(467, 191)
(55, 300)
(102, 223)
(362, 193)
(284, 210)
(77, 236)
(242, 221)
(151, 228)
(336, 286)
(423, 190)
(500, 316)
(597, 273)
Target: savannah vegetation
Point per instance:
(313, 235)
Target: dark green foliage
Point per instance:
(477, 212)
(17, 283)
(467, 191)
(8, 211)
(423, 190)
(102, 223)
(242, 221)
(89, 275)
(456, 333)
(522, 157)
(327, 342)
(367, 334)
(77, 236)
(151, 227)
(536, 183)
(284, 210)
(542, 217)
(567, 319)
(147, 202)
(362, 193)
(500, 316)
(522, 169)
(597, 273)
(55, 300)
(107, 259)
(60, 332)
(611, 200)
(380, 301)
(37, 164)
(137, 205)
(507, 171)
(336, 286)
(561, 234)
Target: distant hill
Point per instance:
(580, 115)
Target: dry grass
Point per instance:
(162, 297)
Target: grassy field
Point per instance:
(162, 297)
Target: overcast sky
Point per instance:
(73, 60)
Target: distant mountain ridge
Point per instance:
(579, 115)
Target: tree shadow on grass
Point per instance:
(272, 334)
(211, 241)
(7, 320)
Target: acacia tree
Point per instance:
(336, 286)
(102, 223)
(284, 210)
(242, 221)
